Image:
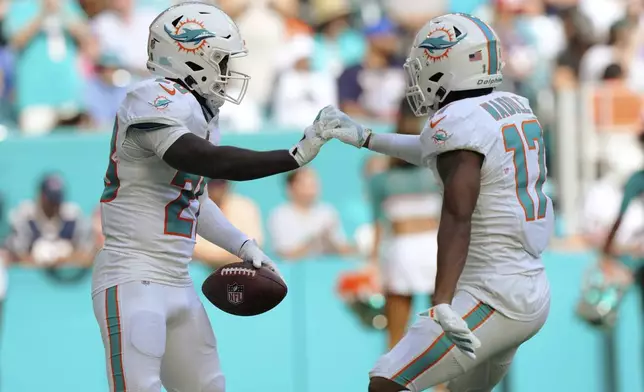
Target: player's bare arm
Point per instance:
(607, 250)
(193, 154)
(460, 172)
(609, 262)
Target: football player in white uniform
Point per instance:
(165, 142)
(491, 293)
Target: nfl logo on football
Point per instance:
(235, 293)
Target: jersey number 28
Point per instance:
(190, 185)
(519, 143)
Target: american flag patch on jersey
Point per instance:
(478, 56)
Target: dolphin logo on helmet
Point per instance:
(439, 43)
(196, 40)
(193, 36)
(440, 61)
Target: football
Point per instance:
(242, 290)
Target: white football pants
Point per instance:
(156, 334)
(425, 357)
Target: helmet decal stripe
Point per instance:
(493, 65)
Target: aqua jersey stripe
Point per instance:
(440, 347)
(491, 44)
(114, 333)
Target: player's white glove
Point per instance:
(251, 253)
(308, 147)
(335, 124)
(455, 329)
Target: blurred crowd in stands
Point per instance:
(69, 62)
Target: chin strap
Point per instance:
(215, 103)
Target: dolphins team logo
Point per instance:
(440, 137)
(439, 42)
(190, 35)
(161, 102)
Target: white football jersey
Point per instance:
(513, 219)
(149, 210)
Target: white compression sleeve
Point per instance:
(405, 147)
(215, 227)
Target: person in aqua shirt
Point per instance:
(337, 44)
(406, 205)
(633, 189)
(46, 36)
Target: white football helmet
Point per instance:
(193, 42)
(453, 52)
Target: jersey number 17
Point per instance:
(520, 143)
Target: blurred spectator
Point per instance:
(365, 234)
(46, 36)
(304, 227)
(264, 31)
(301, 92)
(619, 156)
(406, 205)
(93, 7)
(49, 231)
(411, 15)
(616, 51)
(122, 30)
(600, 209)
(530, 44)
(374, 88)
(105, 90)
(579, 37)
(604, 13)
(546, 30)
(241, 211)
(375, 164)
(246, 117)
(635, 59)
(623, 241)
(612, 73)
(337, 44)
(6, 60)
(290, 12)
(628, 228)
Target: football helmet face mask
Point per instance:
(453, 52)
(194, 42)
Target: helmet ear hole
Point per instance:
(190, 81)
(193, 66)
(440, 94)
(436, 77)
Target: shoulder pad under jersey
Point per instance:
(156, 101)
(455, 127)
